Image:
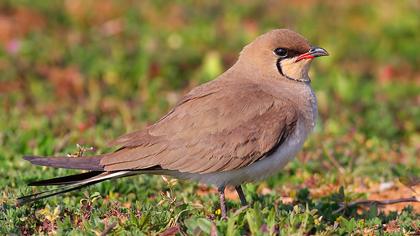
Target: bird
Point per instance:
(243, 126)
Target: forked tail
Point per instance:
(70, 183)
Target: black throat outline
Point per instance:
(278, 64)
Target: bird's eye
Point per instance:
(281, 52)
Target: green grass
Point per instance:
(86, 72)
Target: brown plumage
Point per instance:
(209, 128)
(223, 132)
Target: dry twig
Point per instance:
(377, 202)
(108, 229)
(80, 151)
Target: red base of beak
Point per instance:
(312, 53)
(307, 55)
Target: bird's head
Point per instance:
(281, 53)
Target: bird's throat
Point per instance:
(293, 70)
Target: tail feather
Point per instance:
(70, 183)
(81, 163)
(49, 193)
(70, 179)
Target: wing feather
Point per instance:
(221, 128)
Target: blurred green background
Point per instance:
(85, 72)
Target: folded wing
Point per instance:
(220, 126)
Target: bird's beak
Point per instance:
(312, 53)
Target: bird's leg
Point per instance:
(221, 190)
(241, 195)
